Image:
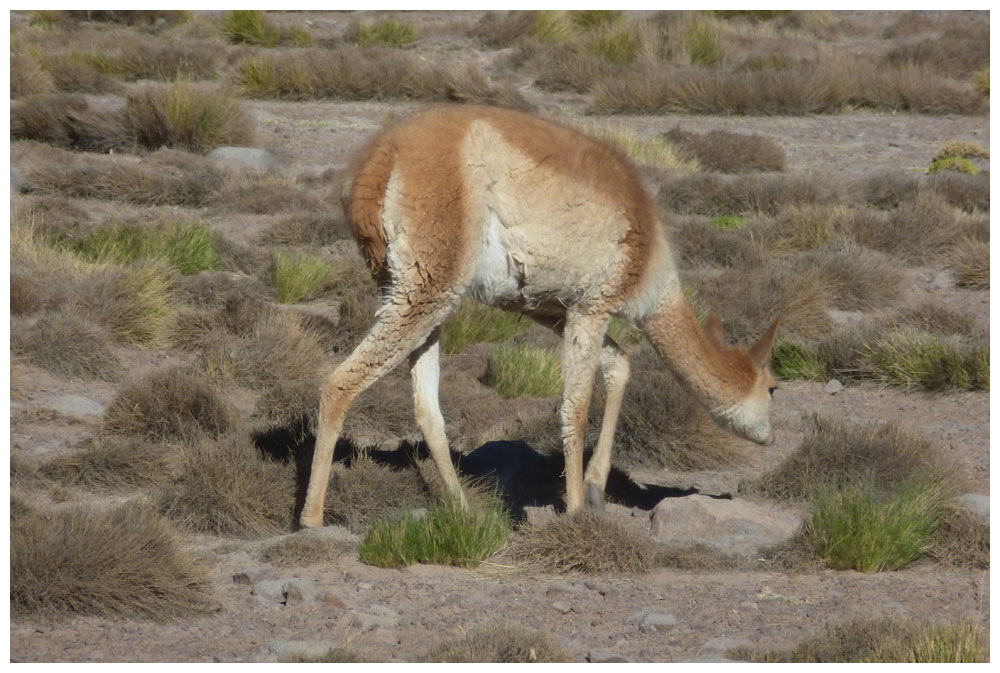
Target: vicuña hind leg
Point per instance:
(614, 377)
(425, 373)
(400, 329)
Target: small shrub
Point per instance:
(961, 149)
(960, 164)
(384, 32)
(27, 77)
(500, 643)
(226, 488)
(617, 46)
(112, 462)
(299, 550)
(74, 72)
(523, 370)
(474, 322)
(187, 116)
(135, 303)
(854, 527)
(65, 344)
(971, 260)
(858, 278)
(249, 26)
(970, 192)
(586, 542)
(68, 121)
(367, 491)
(934, 317)
(447, 535)
(835, 454)
(300, 278)
(168, 406)
(885, 640)
(138, 570)
(728, 152)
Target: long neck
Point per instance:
(674, 331)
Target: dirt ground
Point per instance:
(398, 615)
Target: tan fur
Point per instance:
(533, 216)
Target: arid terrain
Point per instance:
(265, 610)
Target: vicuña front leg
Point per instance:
(398, 331)
(582, 338)
(614, 377)
(425, 373)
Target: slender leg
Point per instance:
(614, 377)
(425, 373)
(582, 337)
(400, 328)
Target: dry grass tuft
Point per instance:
(918, 231)
(700, 242)
(586, 542)
(888, 189)
(135, 303)
(191, 117)
(858, 278)
(971, 260)
(367, 491)
(971, 193)
(835, 453)
(27, 77)
(962, 540)
(137, 570)
(227, 488)
(112, 462)
(727, 152)
(500, 643)
(68, 121)
(936, 318)
(712, 194)
(170, 405)
(65, 344)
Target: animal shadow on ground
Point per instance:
(522, 476)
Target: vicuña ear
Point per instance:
(713, 332)
(759, 351)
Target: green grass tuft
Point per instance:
(515, 370)
(249, 26)
(187, 247)
(301, 277)
(614, 45)
(725, 222)
(856, 527)
(703, 44)
(917, 360)
(446, 535)
(790, 360)
(475, 322)
(960, 164)
(385, 33)
(551, 26)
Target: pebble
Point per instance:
(833, 387)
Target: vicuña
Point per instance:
(532, 216)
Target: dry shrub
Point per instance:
(798, 228)
(68, 121)
(500, 643)
(160, 179)
(836, 452)
(698, 242)
(749, 300)
(26, 295)
(170, 405)
(919, 231)
(962, 540)
(306, 548)
(468, 85)
(65, 344)
(74, 72)
(367, 491)
(134, 302)
(567, 67)
(858, 278)
(188, 116)
(169, 60)
(935, 317)
(961, 190)
(713, 194)
(227, 488)
(142, 18)
(27, 77)
(307, 228)
(888, 189)
(252, 192)
(662, 425)
(586, 542)
(502, 29)
(727, 152)
(971, 260)
(113, 462)
(958, 52)
(126, 563)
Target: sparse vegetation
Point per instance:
(500, 643)
(383, 33)
(187, 247)
(524, 370)
(587, 542)
(65, 344)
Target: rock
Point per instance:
(248, 157)
(658, 621)
(75, 405)
(562, 607)
(375, 617)
(733, 526)
(833, 387)
(976, 504)
(563, 588)
(605, 657)
(284, 649)
(286, 592)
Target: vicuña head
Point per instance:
(533, 216)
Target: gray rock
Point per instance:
(733, 526)
(658, 621)
(248, 157)
(833, 387)
(281, 649)
(375, 617)
(976, 504)
(605, 657)
(75, 405)
(288, 592)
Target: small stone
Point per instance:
(562, 607)
(833, 387)
(658, 621)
